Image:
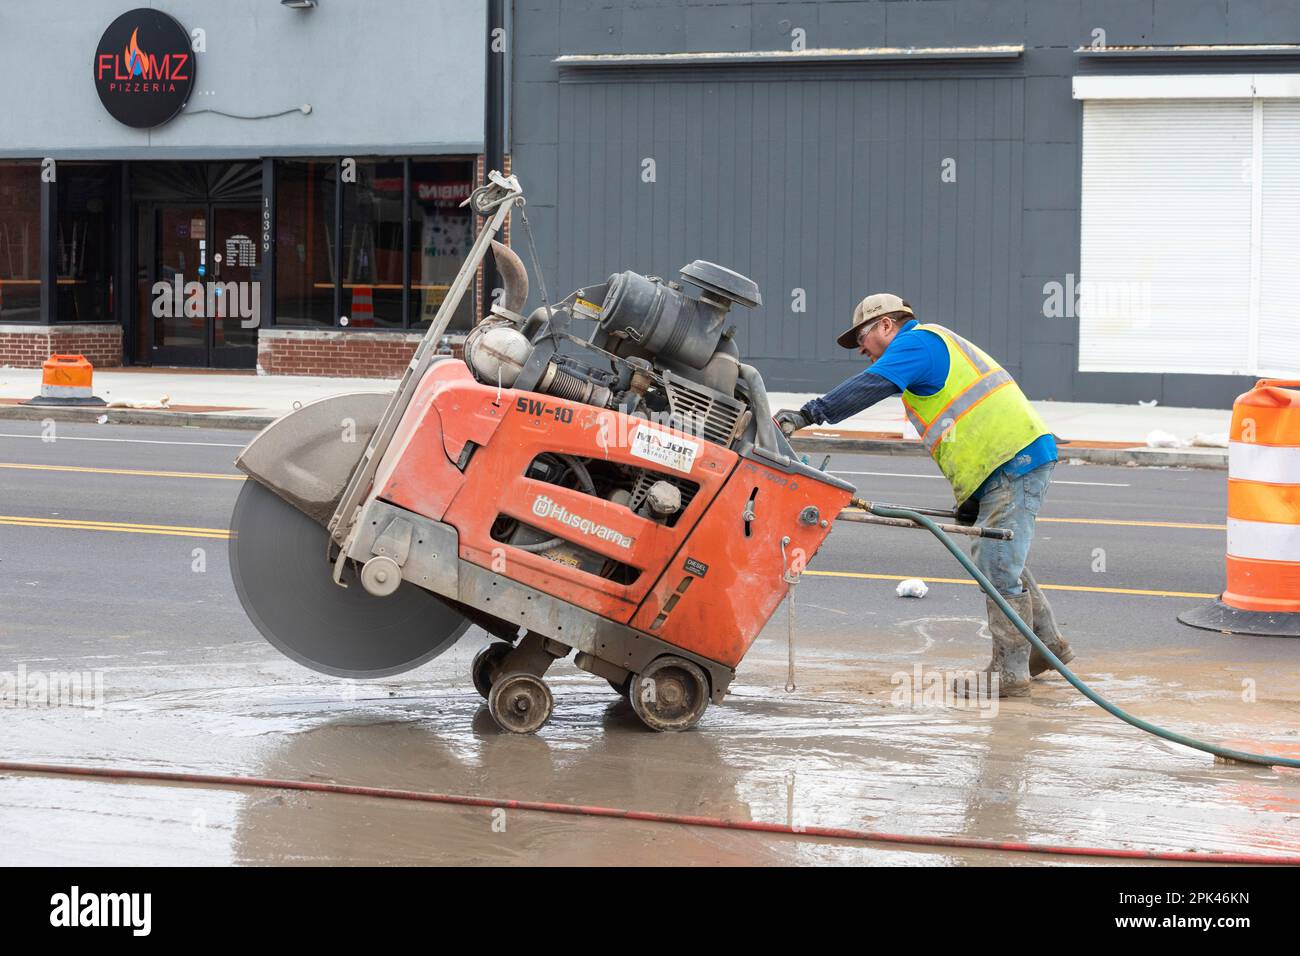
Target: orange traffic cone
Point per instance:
(1263, 549)
(363, 307)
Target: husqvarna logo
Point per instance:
(545, 507)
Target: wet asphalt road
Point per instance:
(146, 585)
(144, 595)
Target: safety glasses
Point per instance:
(866, 330)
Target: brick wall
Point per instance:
(27, 346)
(336, 353)
(329, 352)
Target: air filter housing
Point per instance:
(661, 320)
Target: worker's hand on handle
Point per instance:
(968, 511)
(790, 420)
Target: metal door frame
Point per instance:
(209, 355)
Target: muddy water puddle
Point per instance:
(840, 751)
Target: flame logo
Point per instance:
(135, 61)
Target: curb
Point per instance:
(1138, 456)
(135, 416)
(1150, 457)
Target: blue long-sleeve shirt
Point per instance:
(850, 397)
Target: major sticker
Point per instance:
(664, 449)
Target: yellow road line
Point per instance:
(126, 525)
(1186, 525)
(123, 471)
(75, 524)
(1140, 592)
(1138, 524)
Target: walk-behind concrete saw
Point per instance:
(600, 476)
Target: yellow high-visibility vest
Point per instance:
(978, 421)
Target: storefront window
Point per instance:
(441, 235)
(304, 264)
(372, 246)
(83, 253)
(20, 242)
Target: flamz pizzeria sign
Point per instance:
(144, 68)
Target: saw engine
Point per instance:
(654, 352)
(600, 477)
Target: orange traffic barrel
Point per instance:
(65, 380)
(1262, 595)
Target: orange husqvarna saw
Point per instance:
(600, 477)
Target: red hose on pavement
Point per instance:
(835, 833)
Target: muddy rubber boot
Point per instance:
(1010, 661)
(1045, 627)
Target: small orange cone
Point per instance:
(363, 307)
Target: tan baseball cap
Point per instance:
(870, 308)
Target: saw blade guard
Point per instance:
(307, 456)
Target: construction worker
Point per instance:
(988, 441)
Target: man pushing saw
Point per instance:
(987, 440)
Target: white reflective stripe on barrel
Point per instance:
(1274, 465)
(65, 391)
(1263, 540)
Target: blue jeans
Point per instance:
(1011, 502)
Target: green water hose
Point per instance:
(965, 561)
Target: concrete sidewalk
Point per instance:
(1111, 434)
(264, 395)
(167, 396)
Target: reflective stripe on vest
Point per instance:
(962, 404)
(972, 354)
(998, 419)
(915, 419)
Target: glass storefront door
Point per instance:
(199, 288)
(236, 266)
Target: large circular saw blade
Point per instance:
(278, 559)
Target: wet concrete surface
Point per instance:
(189, 686)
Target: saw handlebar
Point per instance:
(860, 511)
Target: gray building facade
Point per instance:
(932, 148)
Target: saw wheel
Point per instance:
(279, 563)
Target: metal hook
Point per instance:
(792, 580)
